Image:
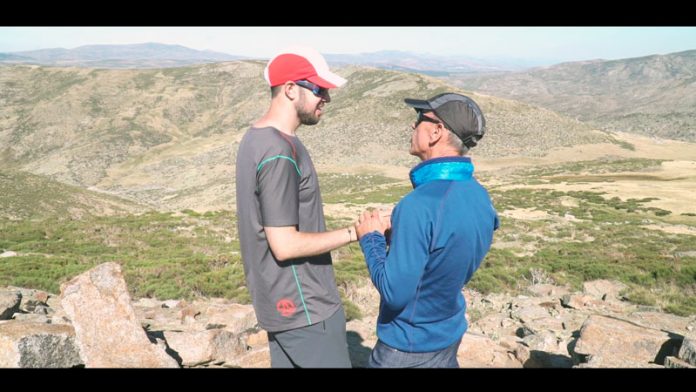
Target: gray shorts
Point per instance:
(320, 345)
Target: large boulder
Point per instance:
(611, 342)
(478, 351)
(108, 332)
(38, 345)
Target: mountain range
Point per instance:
(427, 64)
(168, 137)
(146, 55)
(651, 95)
(155, 55)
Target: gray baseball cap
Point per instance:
(459, 113)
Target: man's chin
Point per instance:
(308, 119)
(310, 122)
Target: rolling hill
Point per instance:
(652, 95)
(28, 196)
(168, 137)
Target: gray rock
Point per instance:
(38, 345)
(108, 333)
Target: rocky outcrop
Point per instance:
(481, 351)
(552, 327)
(9, 303)
(612, 342)
(38, 345)
(686, 357)
(97, 325)
(108, 333)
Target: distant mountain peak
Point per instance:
(140, 55)
(653, 95)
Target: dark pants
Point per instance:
(320, 345)
(384, 356)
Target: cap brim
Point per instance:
(328, 80)
(418, 104)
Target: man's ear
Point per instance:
(436, 133)
(291, 90)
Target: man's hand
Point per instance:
(386, 218)
(371, 221)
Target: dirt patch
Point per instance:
(673, 229)
(672, 196)
(526, 214)
(644, 147)
(673, 184)
(518, 248)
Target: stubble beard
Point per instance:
(306, 117)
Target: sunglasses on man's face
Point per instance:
(422, 117)
(320, 92)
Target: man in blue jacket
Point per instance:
(440, 233)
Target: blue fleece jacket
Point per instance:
(440, 233)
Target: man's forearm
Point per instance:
(287, 243)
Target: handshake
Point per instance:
(373, 220)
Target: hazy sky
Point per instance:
(550, 43)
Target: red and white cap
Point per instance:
(300, 63)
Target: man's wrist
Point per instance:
(350, 235)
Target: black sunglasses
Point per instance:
(320, 92)
(421, 117)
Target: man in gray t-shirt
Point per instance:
(282, 233)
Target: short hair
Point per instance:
(275, 90)
(457, 143)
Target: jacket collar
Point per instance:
(445, 168)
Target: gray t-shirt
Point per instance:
(278, 186)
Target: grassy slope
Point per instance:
(183, 255)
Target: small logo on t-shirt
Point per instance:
(286, 307)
